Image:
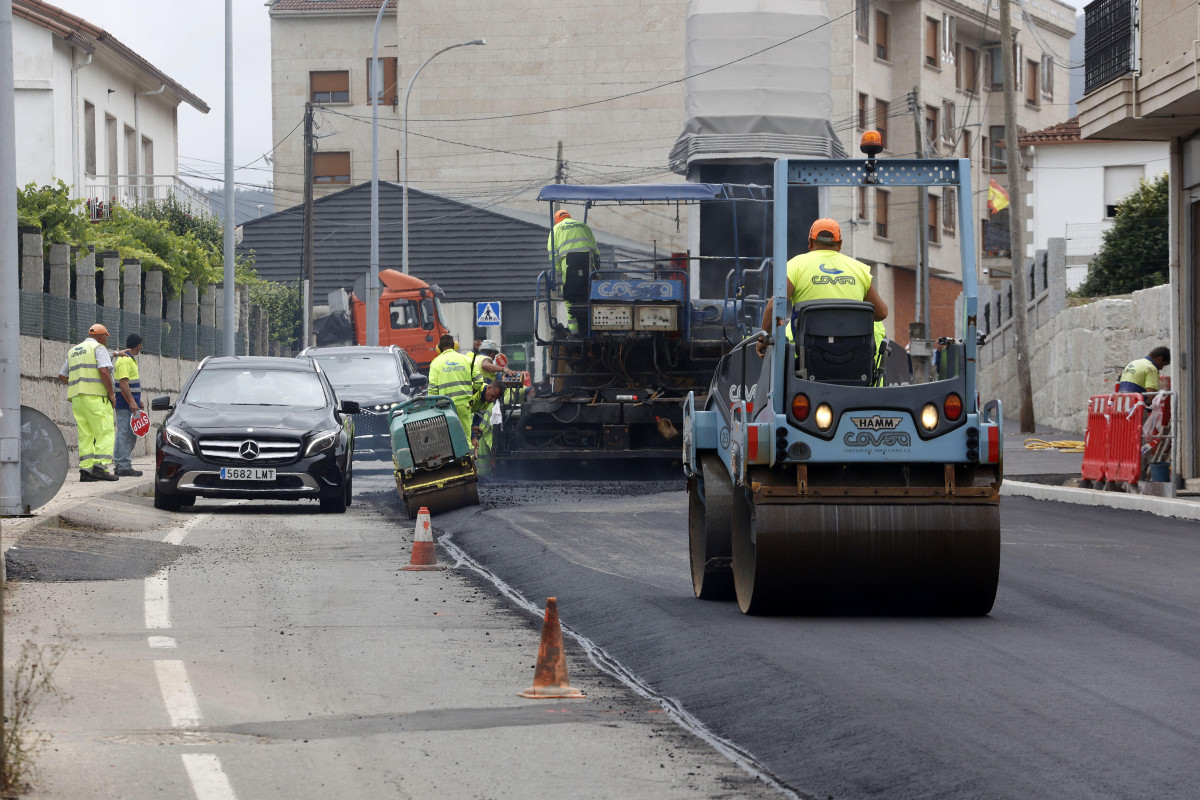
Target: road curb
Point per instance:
(1159, 506)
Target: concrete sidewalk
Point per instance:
(1039, 474)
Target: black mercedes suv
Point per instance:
(254, 427)
(376, 378)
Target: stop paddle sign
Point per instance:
(140, 423)
(500, 360)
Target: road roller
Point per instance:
(431, 456)
(821, 478)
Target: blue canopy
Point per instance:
(652, 193)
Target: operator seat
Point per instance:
(835, 341)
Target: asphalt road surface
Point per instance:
(1084, 682)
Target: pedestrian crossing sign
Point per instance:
(487, 315)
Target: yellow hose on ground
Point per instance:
(1063, 445)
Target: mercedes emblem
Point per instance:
(249, 450)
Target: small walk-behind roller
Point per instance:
(821, 482)
(431, 456)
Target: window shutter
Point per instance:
(1047, 77)
(330, 81)
(1018, 71)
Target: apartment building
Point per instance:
(92, 112)
(1140, 83)
(610, 82)
(932, 68)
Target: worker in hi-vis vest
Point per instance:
(450, 376)
(87, 372)
(810, 277)
(568, 236)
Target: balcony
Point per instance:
(1140, 69)
(997, 242)
(132, 190)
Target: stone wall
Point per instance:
(41, 359)
(1077, 353)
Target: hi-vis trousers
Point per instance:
(94, 418)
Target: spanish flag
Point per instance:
(997, 197)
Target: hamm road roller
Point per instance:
(822, 480)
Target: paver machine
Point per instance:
(818, 485)
(613, 383)
(431, 456)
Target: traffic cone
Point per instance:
(550, 674)
(424, 557)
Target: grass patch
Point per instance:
(31, 682)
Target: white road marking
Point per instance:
(158, 601)
(177, 694)
(208, 780)
(162, 641)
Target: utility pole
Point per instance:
(1016, 217)
(230, 218)
(919, 345)
(306, 277)
(10, 312)
(560, 173)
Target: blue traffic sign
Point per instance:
(487, 315)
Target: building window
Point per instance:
(89, 139)
(861, 211)
(997, 161)
(881, 213)
(949, 122)
(862, 19)
(1033, 86)
(147, 163)
(996, 69)
(881, 121)
(1118, 183)
(958, 67)
(387, 81)
(984, 153)
(112, 146)
(331, 168)
(881, 35)
(949, 34)
(863, 102)
(966, 143)
(933, 41)
(933, 207)
(970, 70)
(949, 197)
(330, 87)
(131, 159)
(931, 127)
(1047, 77)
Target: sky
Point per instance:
(186, 40)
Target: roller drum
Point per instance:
(710, 502)
(940, 558)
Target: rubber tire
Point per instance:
(335, 505)
(709, 506)
(167, 502)
(349, 486)
(187, 500)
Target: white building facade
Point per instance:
(91, 112)
(1078, 184)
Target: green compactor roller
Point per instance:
(431, 456)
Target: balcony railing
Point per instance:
(1107, 42)
(131, 190)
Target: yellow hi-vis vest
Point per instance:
(450, 375)
(83, 374)
(567, 237)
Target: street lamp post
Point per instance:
(376, 90)
(405, 145)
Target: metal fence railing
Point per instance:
(65, 320)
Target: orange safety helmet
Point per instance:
(826, 231)
(97, 329)
(560, 215)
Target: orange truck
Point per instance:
(410, 316)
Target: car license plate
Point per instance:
(247, 474)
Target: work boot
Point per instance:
(85, 476)
(129, 472)
(99, 473)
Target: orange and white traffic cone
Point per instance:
(424, 557)
(550, 674)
